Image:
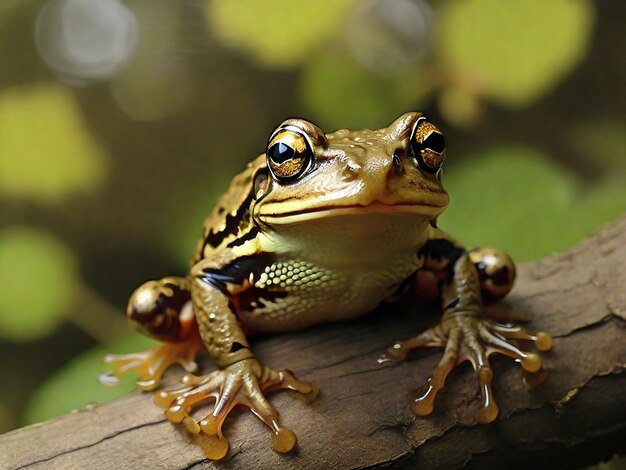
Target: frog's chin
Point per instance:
(316, 214)
(361, 237)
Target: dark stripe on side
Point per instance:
(452, 304)
(236, 272)
(233, 222)
(252, 233)
(440, 249)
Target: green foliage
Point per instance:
(513, 51)
(341, 94)
(274, 32)
(46, 151)
(76, 384)
(515, 198)
(38, 278)
(458, 106)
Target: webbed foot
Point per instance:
(244, 383)
(151, 364)
(473, 338)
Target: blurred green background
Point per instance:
(122, 121)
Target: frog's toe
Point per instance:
(151, 364)
(147, 364)
(283, 439)
(530, 361)
(196, 391)
(423, 399)
(241, 384)
(462, 343)
(286, 380)
(501, 339)
(477, 355)
(398, 352)
(542, 340)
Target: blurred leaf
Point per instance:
(77, 385)
(459, 107)
(274, 32)
(515, 198)
(38, 278)
(341, 94)
(46, 151)
(515, 50)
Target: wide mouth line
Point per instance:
(372, 207)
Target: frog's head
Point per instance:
(313, 176)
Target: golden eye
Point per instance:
(288, 155)
(428, 145)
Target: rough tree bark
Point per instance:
(362, 420)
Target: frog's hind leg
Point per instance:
(496, 272)
(466, 281)
(496, 276)
(162, 310)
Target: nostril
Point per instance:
(397, 162)
(351, 171)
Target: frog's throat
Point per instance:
(325, 212)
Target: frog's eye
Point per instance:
(288, 154)
(428, 145)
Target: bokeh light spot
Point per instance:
(390, 37)
(274, 32)
(46, 151)
(85, 40)
(513, 51)
(38, 277)
(509, 187)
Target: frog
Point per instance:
(323, 227)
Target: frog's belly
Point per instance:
(296, 294)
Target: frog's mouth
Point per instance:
(328, 211)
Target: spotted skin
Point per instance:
(314, 294)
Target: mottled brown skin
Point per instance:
(322, 227)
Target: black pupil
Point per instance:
(435, 142)
(280, 153)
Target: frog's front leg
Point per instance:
(242, 379)
(161, 310)
(464, 332)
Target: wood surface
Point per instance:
(362, 420)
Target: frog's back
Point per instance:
(230, 217)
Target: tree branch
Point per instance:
(362, 420)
